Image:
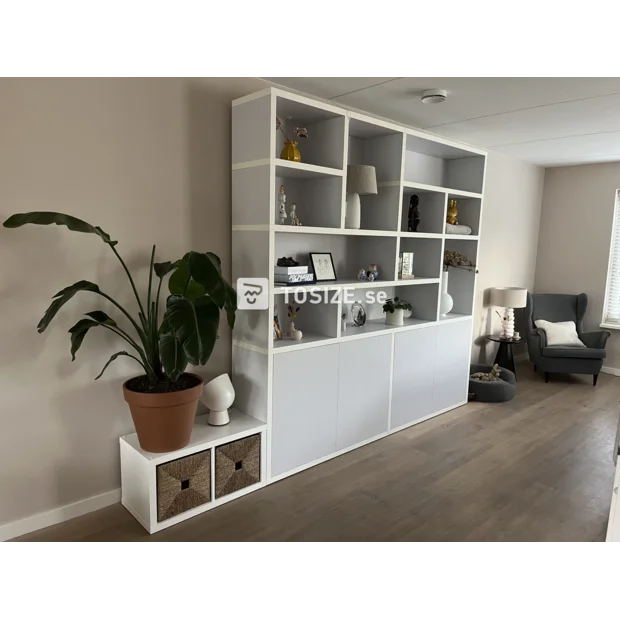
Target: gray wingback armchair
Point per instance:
(577, 360)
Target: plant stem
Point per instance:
(148, 296)
(133, 286)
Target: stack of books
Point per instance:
(287, 276)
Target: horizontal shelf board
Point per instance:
(376, 327)
(461, 237)
(292, 169)
(421, 235)
(308, 341)
(203, 435)
(318, 230)
(409, 187)
(299, 170)
(339, 284)
(454, 316)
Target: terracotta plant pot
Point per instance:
(164, 421)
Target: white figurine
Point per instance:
(294, 219)
(282, 205)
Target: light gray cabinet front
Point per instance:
(452, 357)
(364, 389)
(305, 401)
(413, 375)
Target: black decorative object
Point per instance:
(287, 262)
(413, 219)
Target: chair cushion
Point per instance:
(560, 334)
(578, 352)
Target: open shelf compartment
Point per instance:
(461, 282)
(317, 321)
(350, 253)
(468, 212)
(435, 163)
(427, 256)
(324, 145)
(318, 199)
(432, 208)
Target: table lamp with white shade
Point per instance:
(508, 297)
(361, 181)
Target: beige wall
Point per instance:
(575, 233)
(148, 160)
(509, 240)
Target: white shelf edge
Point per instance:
(431, 188)
(452, 318)
(291, 165)
(448, 236)
(333, 286)
(420, 235)
(220, 436)
(320, 230)
(298, 346)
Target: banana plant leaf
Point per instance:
(172, 356)
(61, 298)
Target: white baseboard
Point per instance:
(58, 515)
(608, 370)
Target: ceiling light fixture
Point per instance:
(434, 95)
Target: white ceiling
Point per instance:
(547, 121)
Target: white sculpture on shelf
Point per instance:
(282, 205)
(218, 396)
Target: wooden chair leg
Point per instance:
(594, 380)
(546, 377)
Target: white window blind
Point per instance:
(611, 312)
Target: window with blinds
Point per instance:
(611, 311)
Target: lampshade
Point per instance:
(361, 180)
(509, 297)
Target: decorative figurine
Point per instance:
(282, 205)
(287, 262)
(294, 219)
(343, 319)
(277, 332)
(370, 276)
(374, 272)
(453, 214)
(293, 333)
(413, 218)
(362, 275)
(358, 314)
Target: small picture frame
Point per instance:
(323, 266)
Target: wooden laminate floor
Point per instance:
(537, 468)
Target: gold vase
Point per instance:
(290, 151)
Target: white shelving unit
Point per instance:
(339, 388)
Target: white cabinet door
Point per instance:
(364, 389)
(613, 527)
(305, 400)
(452, 356)
(414, 370)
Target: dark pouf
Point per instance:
(492, 391)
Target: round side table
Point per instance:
(504, 357)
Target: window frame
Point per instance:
(610, 261)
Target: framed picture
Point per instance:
(323, 266)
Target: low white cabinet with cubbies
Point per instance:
(341, 386)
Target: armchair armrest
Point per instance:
(595, 340)
(539, 337)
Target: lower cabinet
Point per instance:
(305, 402)
(452, 358)
(364, 389)
(332, 397)
(414, 371)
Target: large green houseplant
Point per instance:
(164, 399)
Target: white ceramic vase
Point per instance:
(394, 318)
(354, 211)
(218, 396)
(445, 302)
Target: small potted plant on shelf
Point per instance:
(162, 400)
(395, 310)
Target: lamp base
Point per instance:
(508, 324)
(218, 418)
(354, 211)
